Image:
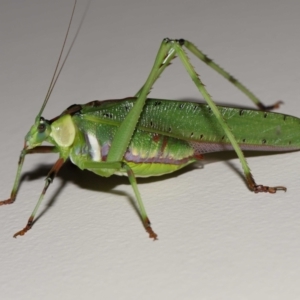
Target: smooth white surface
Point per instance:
(217, 240)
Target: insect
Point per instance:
(139, 136)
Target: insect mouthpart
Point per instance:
(25, 145)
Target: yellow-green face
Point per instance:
(60, 133)
(38, 133)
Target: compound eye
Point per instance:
(42, 126)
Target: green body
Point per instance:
(172, 134)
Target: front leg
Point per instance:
(24, 152)
(48, 180)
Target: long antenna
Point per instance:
(58, 67)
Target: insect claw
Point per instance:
(8, 201)
(21, 232)
(147, 225)
(277, 188)
(25, 229)
(152, 234)
(267, 189)
(276, 105)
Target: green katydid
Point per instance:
(138, 136)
